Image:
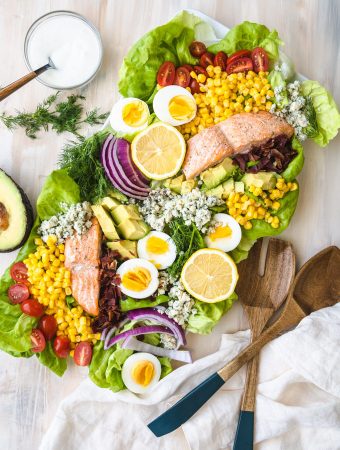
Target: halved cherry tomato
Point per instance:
(182, 77)
(83, 354)
(32, 308)
(240, 65)
(19, 273)
(199, 69)
(38, 341)
(194, 86)
(61, 346)
(260, 59)
(239, 54)
(166, 74)
(18, 293)
(48, 326)
(197, 49)
(188, 67)
(221, 60)
(207, 59)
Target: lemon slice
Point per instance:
(159, 151)
(209, 275)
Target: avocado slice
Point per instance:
(228, 188)
(188, 186)
(216, 175)
(175, 184)
(109, 203)
(124, 212)
(16, 214)
(218, 191)
(106, 222)
(126, 249)
(264, 180)
(133, 229)
(239, 187)
(117, 195)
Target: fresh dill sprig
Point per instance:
(67, 115)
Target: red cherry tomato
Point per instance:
(199, 69)
(207, 59)
(19, 273)
(166, 74)
(83, 354)
(182, 77)
(240, 65)
(18, 293)
(38, 341)
(221, 60)
(197, 49)
(188, 67)
(260, 59)
(61, 346)
(194, 86)
(48, 325)
(32, 308)
(239, 54)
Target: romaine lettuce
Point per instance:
(129, 303)
(296, 165)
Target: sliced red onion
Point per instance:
(131, 170)
(132, 343)
(136, 332)
(108, 336)
(103, 335)
(163, 319)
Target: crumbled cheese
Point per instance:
(168, 341)
(165, 282)
(75, 218)
(180, 305)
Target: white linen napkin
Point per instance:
(297, 404)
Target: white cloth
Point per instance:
(297, 405)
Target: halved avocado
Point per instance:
(16, 214)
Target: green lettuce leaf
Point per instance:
(296, 165)
(51, 360)
(249, 35)
(130, 303)
(208, 315)
(241, 251)
(327, 114)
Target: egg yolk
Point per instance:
(181, 107)
(134, 114)
(137, 279)
(143, 372)
(156, 245)
(220, 233)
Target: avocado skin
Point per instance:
(29, 215)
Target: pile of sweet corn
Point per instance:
(51, 284)
(223, 95)
(244, 208)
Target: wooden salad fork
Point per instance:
(316, 286)
(261, 292)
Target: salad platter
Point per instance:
(138, 234)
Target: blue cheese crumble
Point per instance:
(180, 305)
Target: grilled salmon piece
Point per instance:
(238, 134)
(85, 288)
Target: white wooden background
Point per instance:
(30, 394)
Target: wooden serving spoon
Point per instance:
(261, 293)
(316, 286)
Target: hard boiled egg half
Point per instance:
(226, 234)
(138, 278)
(129, 115)
(174, 105)
(158, 248)
(141, 371)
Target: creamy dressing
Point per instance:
(73, 46)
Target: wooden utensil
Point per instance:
(261, 294)
(8, 90)
(316, 286)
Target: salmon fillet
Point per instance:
(238, 134)
(82, 253)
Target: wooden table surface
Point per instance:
(30, 394)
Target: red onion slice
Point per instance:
(137, 332)
(131, 170)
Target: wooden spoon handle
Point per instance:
(8, 90)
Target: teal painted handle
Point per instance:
(244, 439)
(185, 408)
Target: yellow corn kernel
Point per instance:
(63, 326)
(276, 205)
(68, 291)
(248, 225)
(201, 78)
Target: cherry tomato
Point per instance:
(18, 293)
(48, 325)
(83, 354)
(189, 67)
(240, 65)
(182, 77)
(19, 273)
(61, 346)
(166, 74)
(221, 60)
(260, 59)
(32, 308)
(207, 59)
(197, 49)
(38, 341)
(194, 86)
(239, 54)
(199, 69)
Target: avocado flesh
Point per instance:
(133, 229)
(16, 214)
(263, 180)
(124, 212)
(106, 222)
(216, 175)
(216, 192)
(109, 203)
(126, 249)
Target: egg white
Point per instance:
(116, 116)
(128, 367)
(161, 261)
(133, 264)
(162, 100)
(228, 243)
